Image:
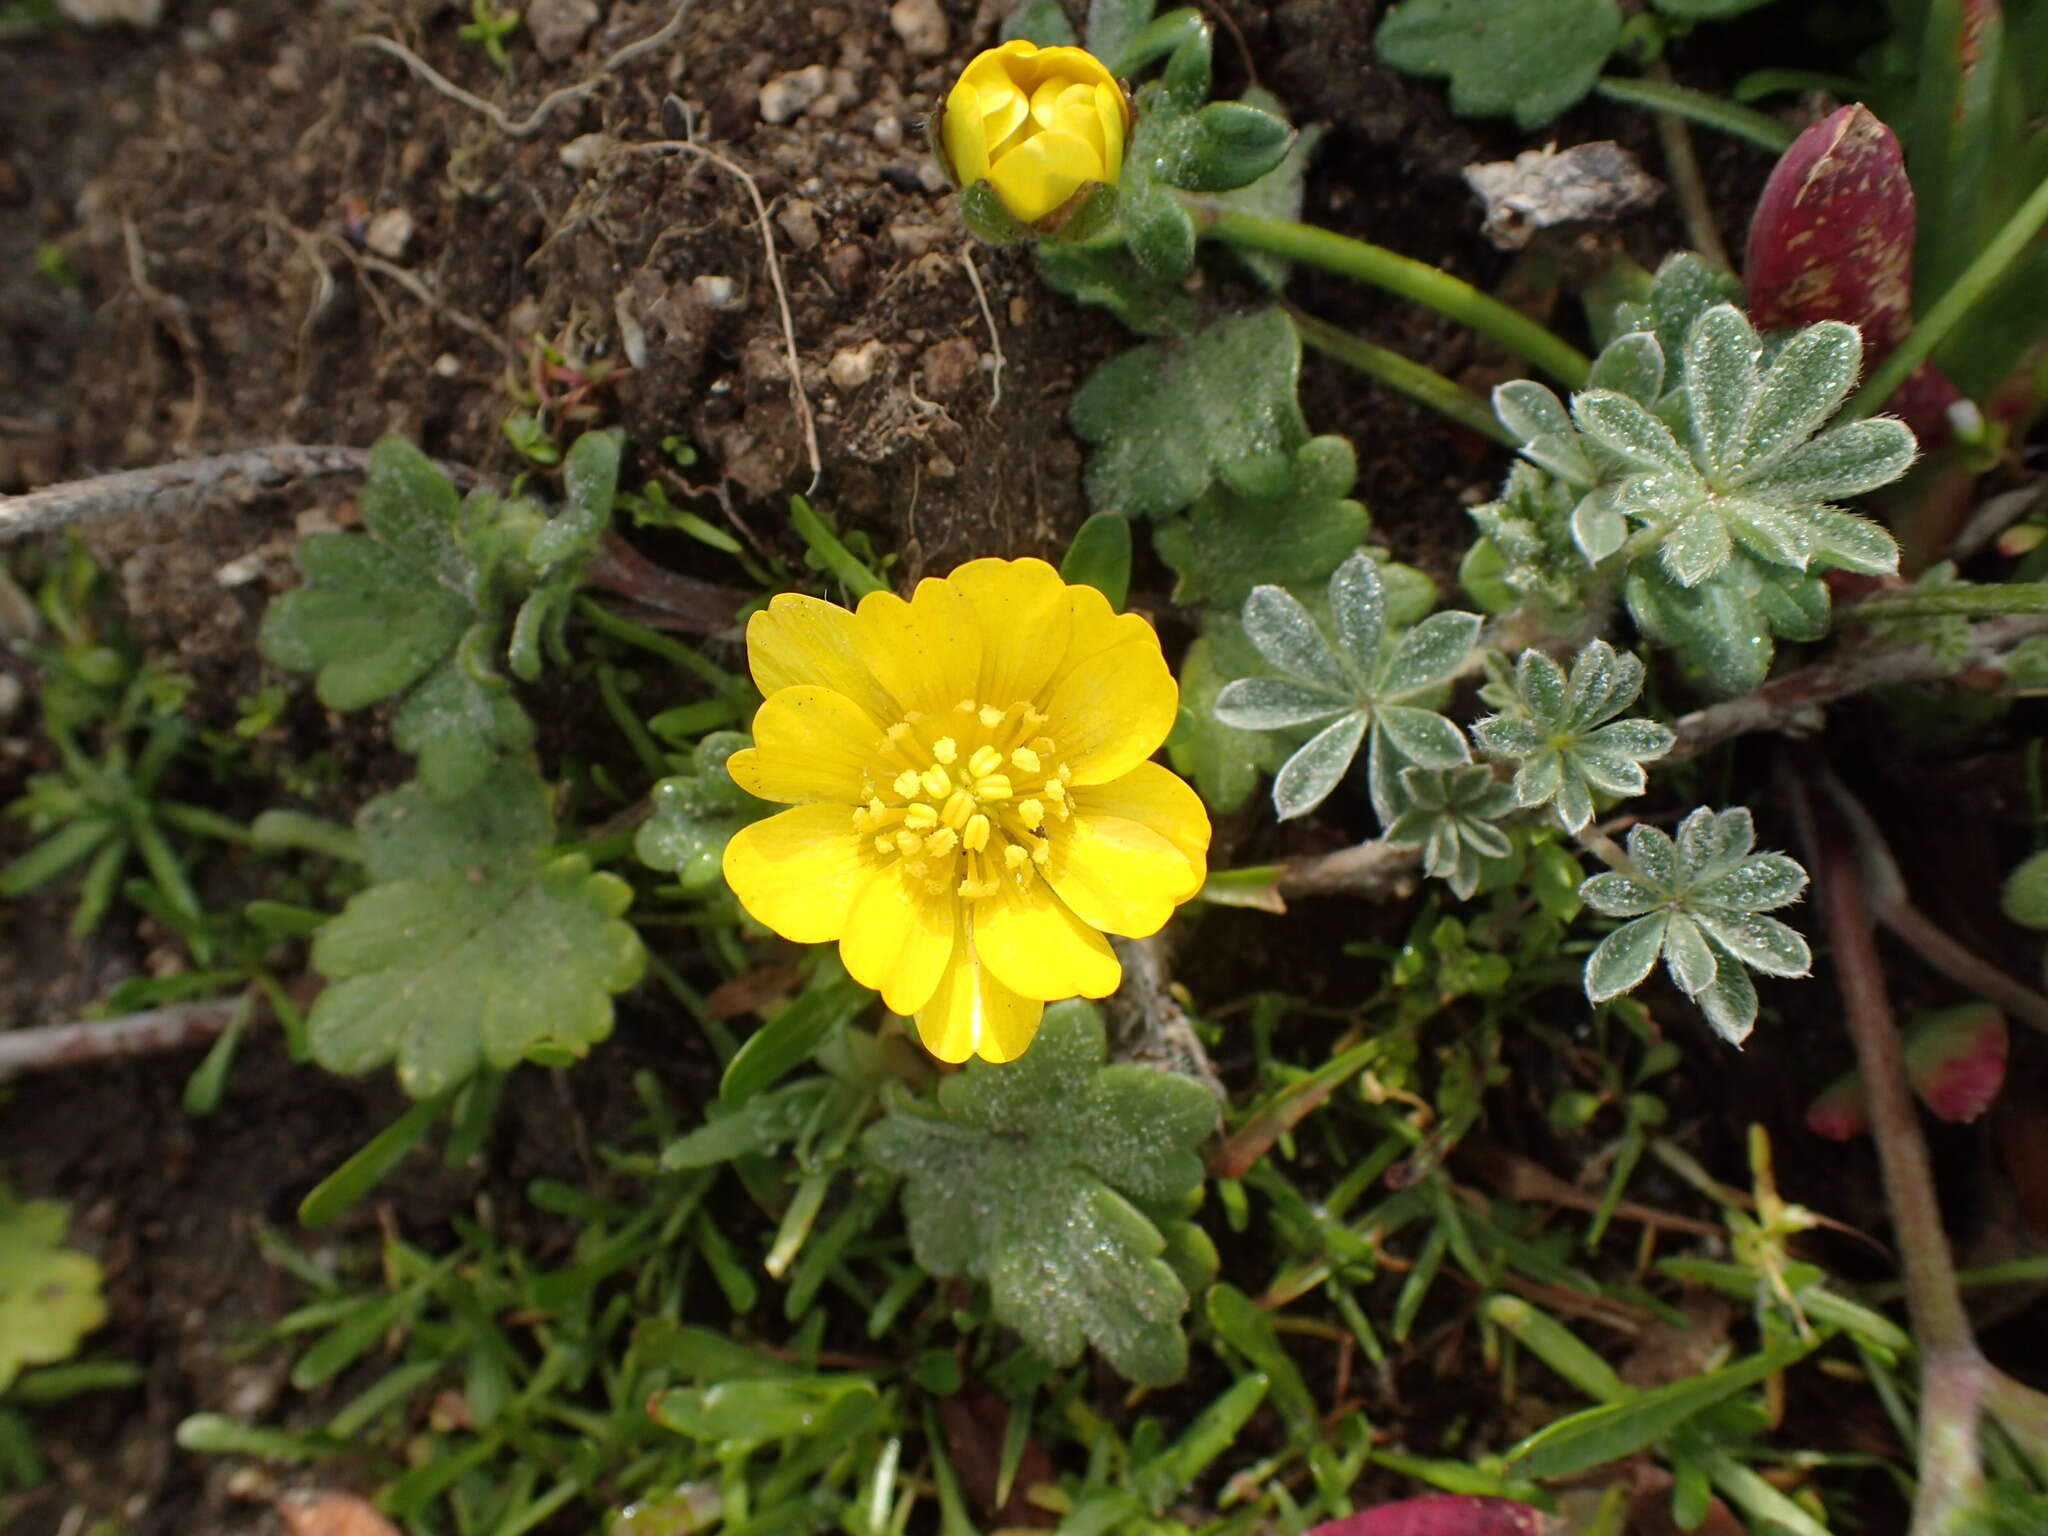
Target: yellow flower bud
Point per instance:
(1038, 124)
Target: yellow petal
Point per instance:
(926, 652)
(1042, 172)
(963, 130)
(1000, 98)
(973, 1014)
(810, 743)
(898, 939)
(1025, 619)
(1069, 63)
(1038, 948)
(1113, 112)
(1119, 876)
(1110, 711)
(798, 639)
(799, 872)
(1156, 797)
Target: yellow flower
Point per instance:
(1038, 124)
(975, 808)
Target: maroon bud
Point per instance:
(1442, 1514)
(1832, 239)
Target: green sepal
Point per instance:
(985, 216)
(1039, 21)
(1161, 232)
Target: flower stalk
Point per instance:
(1452, 297)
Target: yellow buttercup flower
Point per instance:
(1038, 124)
(975, 807)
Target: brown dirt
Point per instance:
(227, 191)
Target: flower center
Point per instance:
(965, 799)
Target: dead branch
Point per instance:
(164, 489)
(1781, 703)
(50, 1047)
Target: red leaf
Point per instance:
(1832, 239)
(1956, 1060)
(1441, 1514)
(1840, 1113)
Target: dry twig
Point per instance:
(50, 1047)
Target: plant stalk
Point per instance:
(1423, 385)
(1449, 296)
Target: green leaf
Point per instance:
(1504, 56)
(459, 724)
(1043, 22)
(696, 814)
(1277, 194)
(1224, 762)
(49, 1294)
(368, 1164)
(370, 620)
(743, 1413)
(2025, 897)
(1160, 231)
(1612, 1431)
(1029, 1176)
(413, 510)
(1110, 276)
(1100, 557)
(1232, 541)
(1622, 959)
(1113, 25)
(789, 1039)
(1307, 778)
(1232, 145)
(1165, 416)
(509, 957)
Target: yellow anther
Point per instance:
(940, 844)
(1033, 813)
(1066, 774)
(1062, 808)
(945, 749)
(1056, 788)
(936, 886)
(1024, 760)
(898, 733)
(908, 843)
(1014, 856)
(920, 817)
(986, 760)
(1042, 745)
(974, 890)
(863, 821)
(936, 781)
(990, 716)
(959, 806)
(907, 784)
(966, 706)
(885, 844)
(975, 837)
(1042, 854)
(995, 787)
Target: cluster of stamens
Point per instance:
(966, 799)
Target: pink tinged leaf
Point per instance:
(1442, 1514)
(1956, 1060)
(1832, 239)
(1840, 1113)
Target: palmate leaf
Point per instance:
(1563, 735)
(1698, 900)
(1239, 535)
(1531, 58)
(1164, 417)
(49, 1294)
(1360, 680)
(1049, 1178)
(476, 946)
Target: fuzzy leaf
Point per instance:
(1721, 353)
(1622, 959)
(1306, 779)
(1628, 431)
(1730, 1004)
(1165, 416)
(1805, 386)
(1358, 603)
(370, 621)
(1273, 704)
(1687, 955)
(475, 949)
(1843, 461)
(1503, 56)
(1631, 365)
(1035, 1176)
(1429, 654)
(1425, 737)
(1234, 539)
(1290, 639)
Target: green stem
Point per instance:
(1933, 328)
(1758, 128)
(1415, 280)
(1423, 385)
(669, 649)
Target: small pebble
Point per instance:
(888, 131)
(786, 95)
(389, 234)
(558, 27)
(852, 367)
(922, 26)
(716, 291)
